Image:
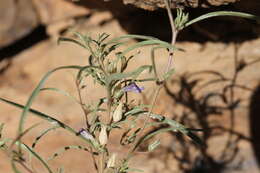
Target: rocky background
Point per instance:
(216, 85)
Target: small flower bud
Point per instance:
(103, 135)
(133, 88)
(111, 161)
(117, 115)
(86, 134)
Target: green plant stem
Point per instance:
(109, 105)
(93, 158)
(86, 112)
(168, 66)
(174, 34)
(170, 59)
(25, 167)
(102, 159)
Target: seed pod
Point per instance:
(111, 161)
(117, 115)
(103, 135)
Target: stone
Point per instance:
(155, 4)
(18, 18)
(58, 15)
(50, 11)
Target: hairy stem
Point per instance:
(86, 112)
(168, 66)
(174, 34)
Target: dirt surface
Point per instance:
(214, 88)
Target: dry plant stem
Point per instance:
(102, 66)
(25, 167)
(82, 104)
(109, 105)
(93, 158)
(174, 34)
(170, 59)
(108, 121)
(86, 119)
(102, 159)
(168, 66)
(171, 19)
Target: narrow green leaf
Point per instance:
(36, 91)
(60, 92)
(147, 43)
(154, 145)
(223, 13)
(66, 148)
(1, 129)
(31, 152)
(48, 118)
(134, 170)
(61, 170)
(3, 143)
(45, 164)
(15, 169)
(153, 60)
(168, 74)
(42, 134)
(134, 74)
(134, 111)
(23, 133)
(94, 71)
(150, 135)
(130, 36)
(72, 41)
(102, 37)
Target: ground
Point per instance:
(211, 89)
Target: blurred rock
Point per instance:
(58, 15)
(155, 4)
(18, 18)
(50, 11)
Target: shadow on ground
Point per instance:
(254, 122)
(213, 104)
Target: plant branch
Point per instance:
(168, 66)
(25, 167)
(86, 112)
(174, 34)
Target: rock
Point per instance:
(50, 11)
(58, 15)
(18, 18)
(155, 4)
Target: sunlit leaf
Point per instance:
(154, 145)
(134, 74)
(223, 13)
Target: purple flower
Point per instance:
(133, 88)
(85, 134)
